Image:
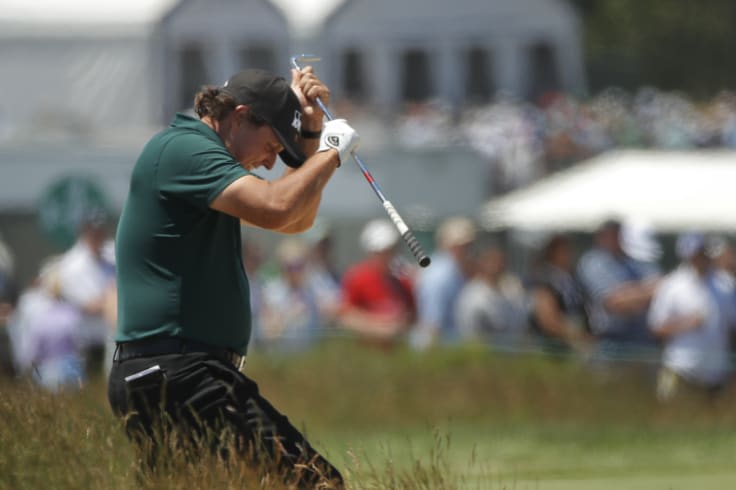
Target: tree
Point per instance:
(671, 44)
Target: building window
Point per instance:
(192, 74)
(416, 76)
(478, 75)
(353, 75)
(258, 56)
(543, 74)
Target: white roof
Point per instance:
(22, 16)
(83, 11)
(465, 18)
(671, 190)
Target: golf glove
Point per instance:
(339, 135)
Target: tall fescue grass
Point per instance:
(455, 418)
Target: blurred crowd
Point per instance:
(523, 141)
(58, 329)
(608, 304)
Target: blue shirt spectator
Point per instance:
(619, 275)
(439, 286)
(290, 317)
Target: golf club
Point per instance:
(406, 233)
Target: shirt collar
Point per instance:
(185, 121)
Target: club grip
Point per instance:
(416, 248)
(405, 232)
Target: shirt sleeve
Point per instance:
(196, 171)
(431, 300)
(598, 276)
(81, 283)
(662, 306)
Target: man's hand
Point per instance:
(307, 88)
(337, 134)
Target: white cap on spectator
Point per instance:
(455, 231)
(689, 243)
(638, 241)
(291, 251)
(378, 235)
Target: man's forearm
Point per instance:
(629, 299)
(304, 222)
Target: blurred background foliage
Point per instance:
(671, 44)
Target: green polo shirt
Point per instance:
(179, 266)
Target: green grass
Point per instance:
(461, 418)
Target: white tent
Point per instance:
(672, 191)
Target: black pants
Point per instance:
(209, 400)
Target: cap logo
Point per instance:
(296, 123)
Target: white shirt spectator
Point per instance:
(84, 279)
(702, 354)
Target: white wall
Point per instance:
(87, 83)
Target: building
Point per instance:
(390, 52)
(83, 66)
(85, 83)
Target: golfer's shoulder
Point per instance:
(184, 149)
(187, 141)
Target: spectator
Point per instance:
(438, 286)
(724, 261)
(290, 316)
(490, 306)
(252, 255)
(694, 316)
(322, 274)
(724, 272)
(46, 333)
(87, 281)
(557, 309)
(619, 275)
(425, 124)
(7, 303)
(377, 293)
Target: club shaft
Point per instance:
(404, 230)
(358, 160)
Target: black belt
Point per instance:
(160, 346)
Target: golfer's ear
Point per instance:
(240, 112)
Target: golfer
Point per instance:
(183, 309)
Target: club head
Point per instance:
(297, 60)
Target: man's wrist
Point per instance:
(311, 135)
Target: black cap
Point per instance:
(270, 97)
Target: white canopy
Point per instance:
(672, 191)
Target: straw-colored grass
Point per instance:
(459, 418)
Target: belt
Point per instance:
(160, 346)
